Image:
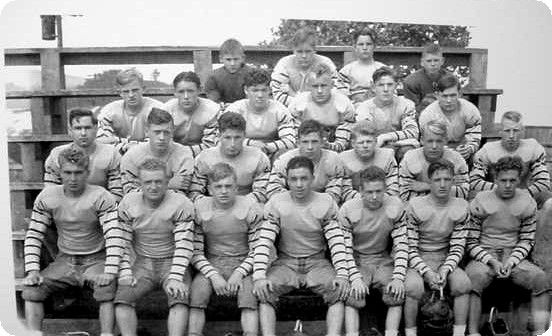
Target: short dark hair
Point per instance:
(303, 35)
(432, 48)
(366, 31)
(159, 116)
(74, 155)
(384, 71)
(153, 164)
(230, 47)
(187, 76)
(441, 164)
(372, 174)
(447, 81)
(300, 162)
(231, 120)
(435, 126)
(221, 170)
(363, 127)
(514, 116)
(256, 76)
(508, 163)
(79, 112)
(310, 126)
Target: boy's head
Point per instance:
(300, 176)
(232, 55)
(73, 164)
(231, 133)
(310, 136)
(222, 183)
(385, 82)
(364, 42)
(187, 86)
(432, 58)
(449, 92)
(257, 88)
(507, 176)
(363, 139)
(440, 173)
(434, 139)
(372, 187)
(511, 130)
(321, 83)
(303, 44)
(152, 174)
(160, 129)
(130, 84)
(83, 127)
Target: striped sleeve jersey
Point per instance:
(356, 78)
(85, 224)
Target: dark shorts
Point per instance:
(150, 273)
(201, 291)
(69, 271)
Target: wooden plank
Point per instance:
(487, 114)
(123, 57)
(41, 119)
(32, 165)
(21, 186)
(18, 258)
(53, 77)
(40, 138)
(24, 58)
(203, 64)
(83, 93)
(18, 209)
(478, 70)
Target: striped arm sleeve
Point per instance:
(415, 261)
(343, 83)
(346, 226)
(106, 133)
(198, 184)
(526, 239)
(260, 179)
(254, 220)
(399, 234)
(184, 244)
(473, 135)
(405, 181)
(336, 173)
(479, 171)
(113, 174)
(461, 185)
(51, 171)
(475, 250)
(268, 231)
(129, 175)
(41, 219)
(539, 175)
(113, 232)
(457, 243)
(409, 126)
(183, 175)
(336, 242)
(347, 190)
(276, 179)
(286, 134)
(279, 84)
(342, 137)
(392, 178)
(209, 139)
(199, 261)
(125, 268)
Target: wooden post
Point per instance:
(53, 78)
(478, 70)
(203, 64)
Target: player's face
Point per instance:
(304, 53)
(432, 62)
(224, 191)
(258, 96)
(83, 131)
(364, 47)
(154, 184)
(187, 94)
(385, 88)
(321, 88)
(310, 145)
(441, 183)
(132, 93)
(433, 145)
(232, 62)
(299, 182)
(231, 142)
(73, 177)
(511, 134)
(364, 146)
(506, 183)
(160, 136)
(372, 194)
(448, 99)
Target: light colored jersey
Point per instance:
(434, 227)
(304, 230)
(356, 77)
(413, 167)
(328, 174)
(535, 176)
(498, 223)
(252, 168)
(275, 126)
(179, 160)
(463, 125)
(369, 232)
(383, 158)
(197, 130)
(225, 233)
(103, 168)
(116, 124)
(162, 232)
(85, 225)
(288, 79)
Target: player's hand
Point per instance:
(103, 279)
(128, 280)
(396, 288)
(443, 274)
(358, 289)
(507, 269)
(176, 289)
(359, 97)
(341, 285)
(432, 279)
(464, 151)
(497, 267)
(419, 186)
(262, 289)
(219, 284)
(33, 279)
(381, 140)
(256, 143)
(234, 283)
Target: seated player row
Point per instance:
(240, 252)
